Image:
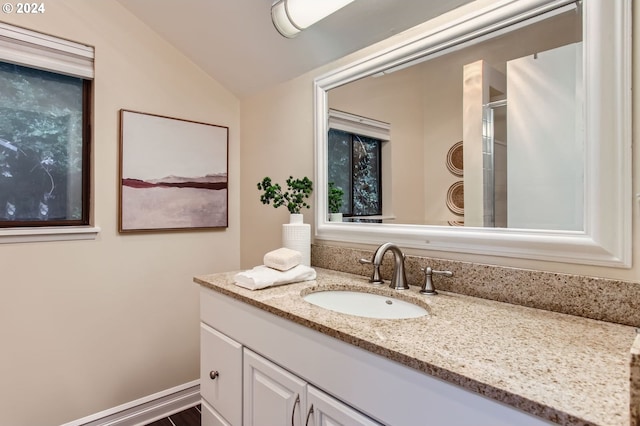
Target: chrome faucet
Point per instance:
(399, 278)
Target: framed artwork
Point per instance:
(173, 174)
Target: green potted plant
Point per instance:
(334, 196)
(298, 190)
(296, 235)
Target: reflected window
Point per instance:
(355, 166)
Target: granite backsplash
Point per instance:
(590, 297)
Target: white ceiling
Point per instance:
(235, 42)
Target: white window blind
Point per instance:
(358, 125)
(29, 48)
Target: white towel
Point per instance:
(262, 276)
(282, 259)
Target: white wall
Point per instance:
(89, 325)
(544, 180)
(475, 94)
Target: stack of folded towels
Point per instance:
(281, 266)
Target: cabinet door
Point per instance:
(221, 373)
(272, 395)
(325, 410)
(210, 417)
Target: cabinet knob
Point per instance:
(213, 374)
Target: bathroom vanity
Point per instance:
(270, 357)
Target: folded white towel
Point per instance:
(262, 276)
(282, 259)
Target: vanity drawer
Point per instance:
(221, 373)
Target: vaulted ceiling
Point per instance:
(235, 42)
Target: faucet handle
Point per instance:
(375, 275)
(428, 287)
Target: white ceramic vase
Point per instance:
(296, 235)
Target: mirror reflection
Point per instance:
(485, 134)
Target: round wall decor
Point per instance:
(455, 198)
(454, 159)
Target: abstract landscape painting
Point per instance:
(173, 174)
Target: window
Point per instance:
(44, 130)
(43, 149)
(355, 166)
(355, 162)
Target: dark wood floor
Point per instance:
(189, 417)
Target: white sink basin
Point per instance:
(365, 304)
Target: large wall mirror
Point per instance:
(504, 131)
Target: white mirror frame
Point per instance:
(606, 239)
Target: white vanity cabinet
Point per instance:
(210, 417)
(274, 396)
(220, 378)
(239, 386)
(280, 368)
(323, 410)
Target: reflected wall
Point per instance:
(425, 106)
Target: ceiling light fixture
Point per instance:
(292, 16)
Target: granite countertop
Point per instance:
(567, 369)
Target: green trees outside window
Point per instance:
(355, 166)
(44, 148)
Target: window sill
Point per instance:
(33, 235)
(373, 217)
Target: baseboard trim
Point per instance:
(147, 409)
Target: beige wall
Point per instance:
(89, 325)
(266, 153)
(278, 124)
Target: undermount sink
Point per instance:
(365, 304)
